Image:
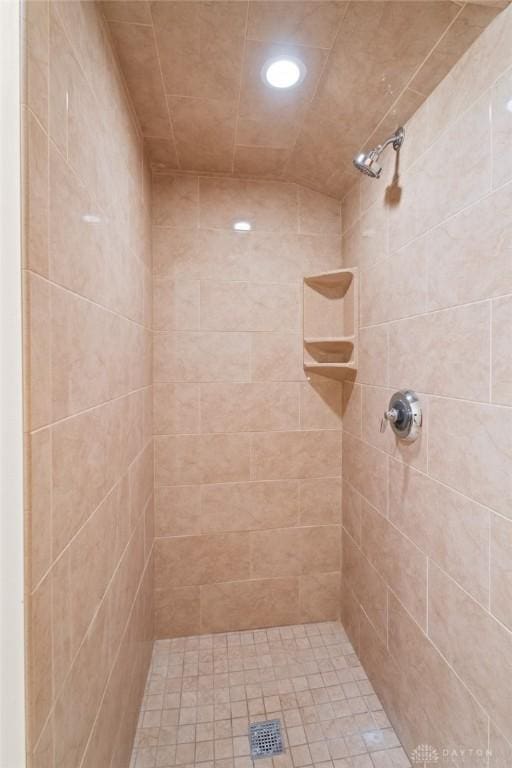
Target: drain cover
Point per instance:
(266, 739)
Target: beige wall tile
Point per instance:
(250, 407)
(249, 604)
(176, 304)
(36, 74)
(365, 468)
(352, 408)
(201, 459)
(321, 549)
(500, 572)
(36, 352)
(402, 565)
(38, 502)
(448, 527)
(39, 659)
(351, 206)
(318, 214)
(249, 506)
(461, 34)
(462, 370)
(469, 449)
(500, 749)
(307, 24)
(472, 628)
(276, 552)
(451, 717)
(74, 712)
(319, 596)
(200, 254)
(501, 355)
(366, 584)
(35, 164)
(385, 298)
(501, 130)
(202, 48)
(292, 455)
(320, 501)
(162, 153)
(141, 69)
(256, 162)
(373, 355)
(276, 357)
(469, 255)
(196, 356)
(191, 560)
(249, 307)
(177, 510)
(175, 201)
(88, 453)
(267, 205)
(367, 241)
(87, 341)
(177, 612)
(320, 404)
(351, 511)
(225, 458)
(176, 409)
(81, 360)
(204, 129)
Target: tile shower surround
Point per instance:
(427, 530)
(434, 633)
(247, 451)
(87, 339)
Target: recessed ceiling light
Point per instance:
(284, 72)
(242, 226)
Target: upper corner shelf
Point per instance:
(331, 323)
(339, 278)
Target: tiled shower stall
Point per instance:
(215, 536)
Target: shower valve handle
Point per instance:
(391, 415)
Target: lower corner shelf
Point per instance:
(339, 371)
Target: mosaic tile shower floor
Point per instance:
(203, 692)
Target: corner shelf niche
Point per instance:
(331, 324)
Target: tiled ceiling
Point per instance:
(194, 73)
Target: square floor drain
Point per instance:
(266, 739)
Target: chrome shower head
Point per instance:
(367, 162)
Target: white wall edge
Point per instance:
(12, 642)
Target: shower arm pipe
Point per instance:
(390, 140)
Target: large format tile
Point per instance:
(249, 506)
(397, 559)
(474, 643)
(461, 370)
(452, 719)
(470, 450)
(450, 528)
(290, 455)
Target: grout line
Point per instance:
(411, 79)
(239, 97)
(166, 100)
(429, 313)
(112, 489)
(116, 399)
(491, 351)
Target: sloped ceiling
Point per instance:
(194, 73)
